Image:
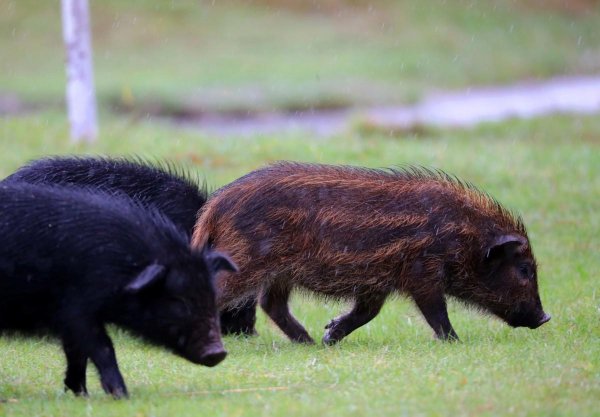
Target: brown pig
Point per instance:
(362, 234)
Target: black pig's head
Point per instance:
(173, 304)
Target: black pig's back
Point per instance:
(166, 188)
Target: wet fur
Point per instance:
(361, 234)
(67, 263)
(159, 184)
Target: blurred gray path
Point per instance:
(576, 95)
(468, 108)
(477, 105)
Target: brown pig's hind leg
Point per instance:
(364, 310)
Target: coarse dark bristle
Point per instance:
(160, 167)
(361, 234)
(407, 173)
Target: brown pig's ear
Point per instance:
(505, 246)
(221, 262)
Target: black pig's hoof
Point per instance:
(448, 337)
(82, 392)
(304, 339)
(301, 337)
(117, 391)
(78, 388)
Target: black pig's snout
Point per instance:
(545, 318)
(212, 356)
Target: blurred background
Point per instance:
(321, 66)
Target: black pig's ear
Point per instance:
(221, 262)
(149, 276)
(505, 245)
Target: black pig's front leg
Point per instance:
(76, 366)
(88, 340)
(240, 320)
(433, 307)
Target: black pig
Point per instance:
(362, 234)
(165, 187)
(73, 260)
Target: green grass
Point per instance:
(547, 169)
(259, 55)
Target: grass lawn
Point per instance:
(260, 54)
(256, 54)
(547, 169)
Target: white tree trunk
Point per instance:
(81, 96)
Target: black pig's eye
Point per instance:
(181, 341)
(525, 270)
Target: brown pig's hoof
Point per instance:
(331, 337)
